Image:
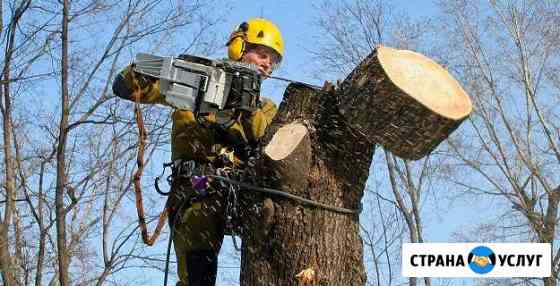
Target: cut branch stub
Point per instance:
(404, 101)
(285, 141)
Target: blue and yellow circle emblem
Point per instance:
(482, 259)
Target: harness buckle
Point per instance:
(184, 167)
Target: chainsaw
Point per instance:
(203, 85)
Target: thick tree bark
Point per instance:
(330, 165)
(320, 146)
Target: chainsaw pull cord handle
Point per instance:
(149, 240)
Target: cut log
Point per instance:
(404, 101)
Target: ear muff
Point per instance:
(237, 42)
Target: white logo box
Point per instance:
(511, 260)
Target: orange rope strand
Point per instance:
(149, 240)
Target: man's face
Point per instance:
(263, 57)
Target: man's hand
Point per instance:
(328, 86)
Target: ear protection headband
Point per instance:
(237, 42)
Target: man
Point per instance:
(199, 227)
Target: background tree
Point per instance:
(504, 52)
(11, 216)
(507, 55)
(68, 162)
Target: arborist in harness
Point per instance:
(204, 142)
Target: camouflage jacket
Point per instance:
(191, 140)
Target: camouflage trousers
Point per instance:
(198, 225)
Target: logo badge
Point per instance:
(477, 260)
(481, 260)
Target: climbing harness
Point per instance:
(232, 216)
(231, 180)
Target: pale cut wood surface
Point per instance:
(403, 101)
(426, 81)
(285, 140)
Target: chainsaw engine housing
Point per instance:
(202, 85)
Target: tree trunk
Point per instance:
(6, 262)
(549, 231)
(6, 265)
(329, 164)
(320, 146)
(62, 254)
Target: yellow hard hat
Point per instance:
(256, 31)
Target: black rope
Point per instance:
(167, 256)
(16, 200)
(173, 224)
(289, 196)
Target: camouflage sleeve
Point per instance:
(261, 118)
(127, 82)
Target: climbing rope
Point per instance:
(283, 194)
(232, 216)
(149, 240)
(168, 256)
